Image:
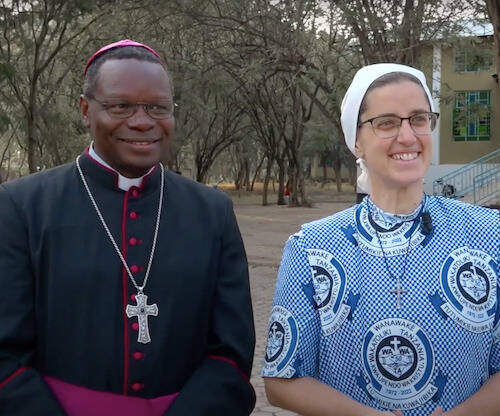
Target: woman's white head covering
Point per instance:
(352, 101)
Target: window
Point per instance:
(471, 116)
(467, 60)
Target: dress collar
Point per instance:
(388, 219)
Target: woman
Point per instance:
(408, 322)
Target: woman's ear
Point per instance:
(358, 148)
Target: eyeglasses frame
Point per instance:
(144, 105)
(360, 124)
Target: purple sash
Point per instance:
(80, 401)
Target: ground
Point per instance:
(264, 231)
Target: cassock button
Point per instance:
(135, 326)
(138, 355)
(137, 386)
(133, 215)
(132, 297)
(134, 268)
(132, 241)
(135, 193)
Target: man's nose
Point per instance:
(140, 120)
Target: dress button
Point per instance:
(137, 386)
(138, 355)
(135, 326)
(132, 241)
(132, 297)
(134, 268)
(133, 215)
(135, 193)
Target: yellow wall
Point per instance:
(452, 152)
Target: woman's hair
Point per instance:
(127, 52)
(386, 79)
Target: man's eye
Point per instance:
(158, 107)
(117, 107)
(160, 110)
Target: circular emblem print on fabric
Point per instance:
(282, 340)
(329, 282)
(322, 282)
(399, 361)
(468, 281)
(393, 238)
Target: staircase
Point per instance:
(477, 182)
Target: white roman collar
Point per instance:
(124, 183)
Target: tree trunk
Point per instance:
(238, 179)
(31, 145)
(257, 171)
(338, 177)
(281, 183)
(267, 178)
(302, 191)
(293, 185)
(246, 177)
(337, 168)
(201, 173)
(325, 175)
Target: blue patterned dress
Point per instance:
(335, 315)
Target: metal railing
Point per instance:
(487, 186)
(479, 179)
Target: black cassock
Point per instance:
(64, 293)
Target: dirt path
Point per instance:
(264, 231)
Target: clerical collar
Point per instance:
(124, 183)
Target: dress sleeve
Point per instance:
(495, 349)
(22, 389)
(220, 385)
(293, 333)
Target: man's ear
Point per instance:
(84, 111)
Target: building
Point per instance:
(464, 82)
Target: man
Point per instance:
(125, 287)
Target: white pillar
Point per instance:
(436, 93)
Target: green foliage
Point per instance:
(7, 71)
(5, 122)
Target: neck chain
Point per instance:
(398, 290)
(142, 310)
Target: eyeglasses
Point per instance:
(124, 109)
(387, 127)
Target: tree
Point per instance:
(393, 31)
(35, 35)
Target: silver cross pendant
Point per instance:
(142, 310)
(398, 291)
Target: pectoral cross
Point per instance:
(142, 310)
(398, 292)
